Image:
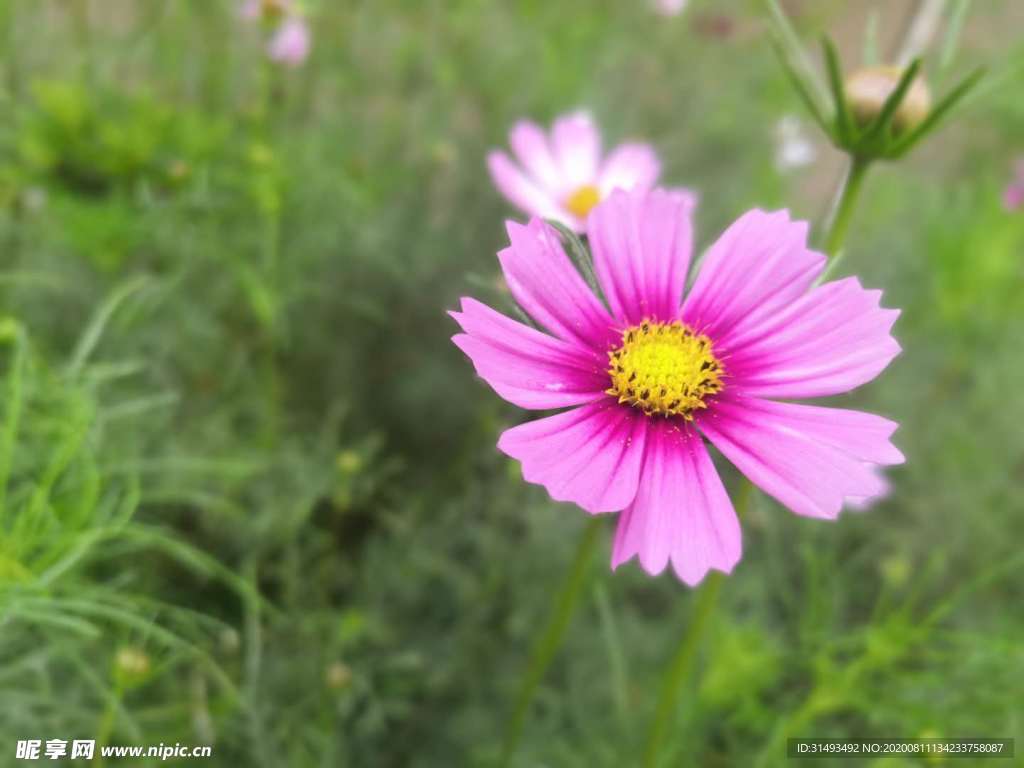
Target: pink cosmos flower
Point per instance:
(290, 43)
(649, 375)
(562, 176)
(1013, 195)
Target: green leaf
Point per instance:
(801, 87)
(795, 51)
(939, 112)
(844, 123)
(951, 42)
(580, 255)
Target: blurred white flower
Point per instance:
(670, 7)
(793, 149)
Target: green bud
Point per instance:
(338, 675)
(131, 664)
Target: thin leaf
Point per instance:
(12, 414)
(579, 254)
(844, 122)
(795, 49)
(801, 88)
(940, 111)
(94, 330)
(951, 41)
(883, 122)
(616, 657)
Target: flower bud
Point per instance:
(131, 664)
(349, 462)
(338, 675)
(895, 570)
(230, 642)
(867, 89)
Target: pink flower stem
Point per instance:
(678, 672)
(550, 640)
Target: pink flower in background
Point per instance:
(670, 7)
(562, 175)
(652, 375)
(1013, 195)
(290, 39)
(290, 43)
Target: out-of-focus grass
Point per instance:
(327, 560)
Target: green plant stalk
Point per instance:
(12, 417)
(842, 214)
(108, 720)
(550, 640)
(678, 671)
(682, 662)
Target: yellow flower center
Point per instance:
(583, 200)
(664, 369)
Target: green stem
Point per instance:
(839, 221)
(550, 640)
(678, 672)
(12, 416)
(108, 720)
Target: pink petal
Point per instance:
(641, 243)
(681, 512)
(250, 10)
(290, 44)
(546, 284)
(526, 367)
(577, 146)
(532, 149)
(590, 455)
(521, 191)
(808, 458)
(1013, 196)
(629, 166)
(758, 265)
(831, 340)
(864, 503)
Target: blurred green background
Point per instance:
(249, 493)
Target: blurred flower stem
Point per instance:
(842, 213)
(550, 640)
(678, 673)
(682, 662)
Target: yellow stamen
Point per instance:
(664, 369)
(583, 200)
